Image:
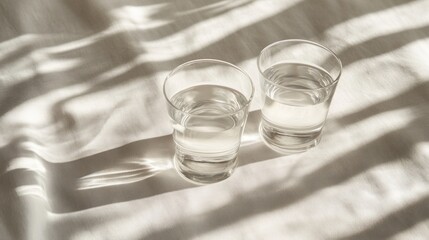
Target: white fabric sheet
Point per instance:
(85, 144)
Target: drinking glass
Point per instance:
(208, 103)
(298, 79)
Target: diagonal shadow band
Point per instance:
(117, 175)
(15, 180)
(389, 148)
(62, 174)
(261, 34)
(90, 12)
(395, 222)
(265, 31)
(64, 193)
(379, 45)
(417, 96)
(369, 48)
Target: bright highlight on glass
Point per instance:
(298, 79)
(208, 103)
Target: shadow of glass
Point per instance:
(252, 149)
(136, 170)
(133, 171)
(112, 176)
(125, 173)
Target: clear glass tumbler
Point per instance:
(208, 103)
(298, 79)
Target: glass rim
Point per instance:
(306, 42)
(208, 60)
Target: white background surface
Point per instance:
(85, 144)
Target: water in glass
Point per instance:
(208, 121)
(296, 102)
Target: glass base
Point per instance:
(288, 142)
(203, 170)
